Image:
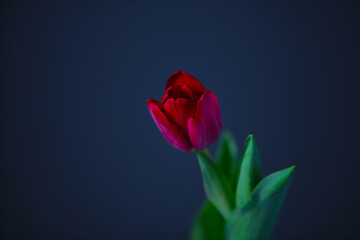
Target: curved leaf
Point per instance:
(256, 220)
(217, 186)
(208, 224)
(250, 173)
(226, 154)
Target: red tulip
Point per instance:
(188, 115)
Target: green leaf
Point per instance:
(208, 224)
(226, 154)
(256, 220)
(235, 178)
(217, 186)
(250, 174)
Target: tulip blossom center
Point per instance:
(179, 104)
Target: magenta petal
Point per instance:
(208, 123)
(174, 134)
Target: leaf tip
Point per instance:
(227, 135)
(226, 132)
(250, 139)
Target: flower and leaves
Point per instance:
(240, 204)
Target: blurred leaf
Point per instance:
(250, 174)
(256, 220)
(236, 172)
(217, 186)
(226, 154)
(208, 224)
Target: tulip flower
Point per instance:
(241, 205)
(188, 115)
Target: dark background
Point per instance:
(82, 159)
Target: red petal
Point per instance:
(187, 109)
(180, 78)
(174, 134)
(179, 111)
(170, 111)
(205, 129)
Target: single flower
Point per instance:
(188, 115)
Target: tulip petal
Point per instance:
(208, 123)
(180, 78)
(174, 134)
(169, 110)
(176, 92)
(187, 109)
(179, 111)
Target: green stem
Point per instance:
(206, 152)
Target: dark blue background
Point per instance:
(81, 157)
